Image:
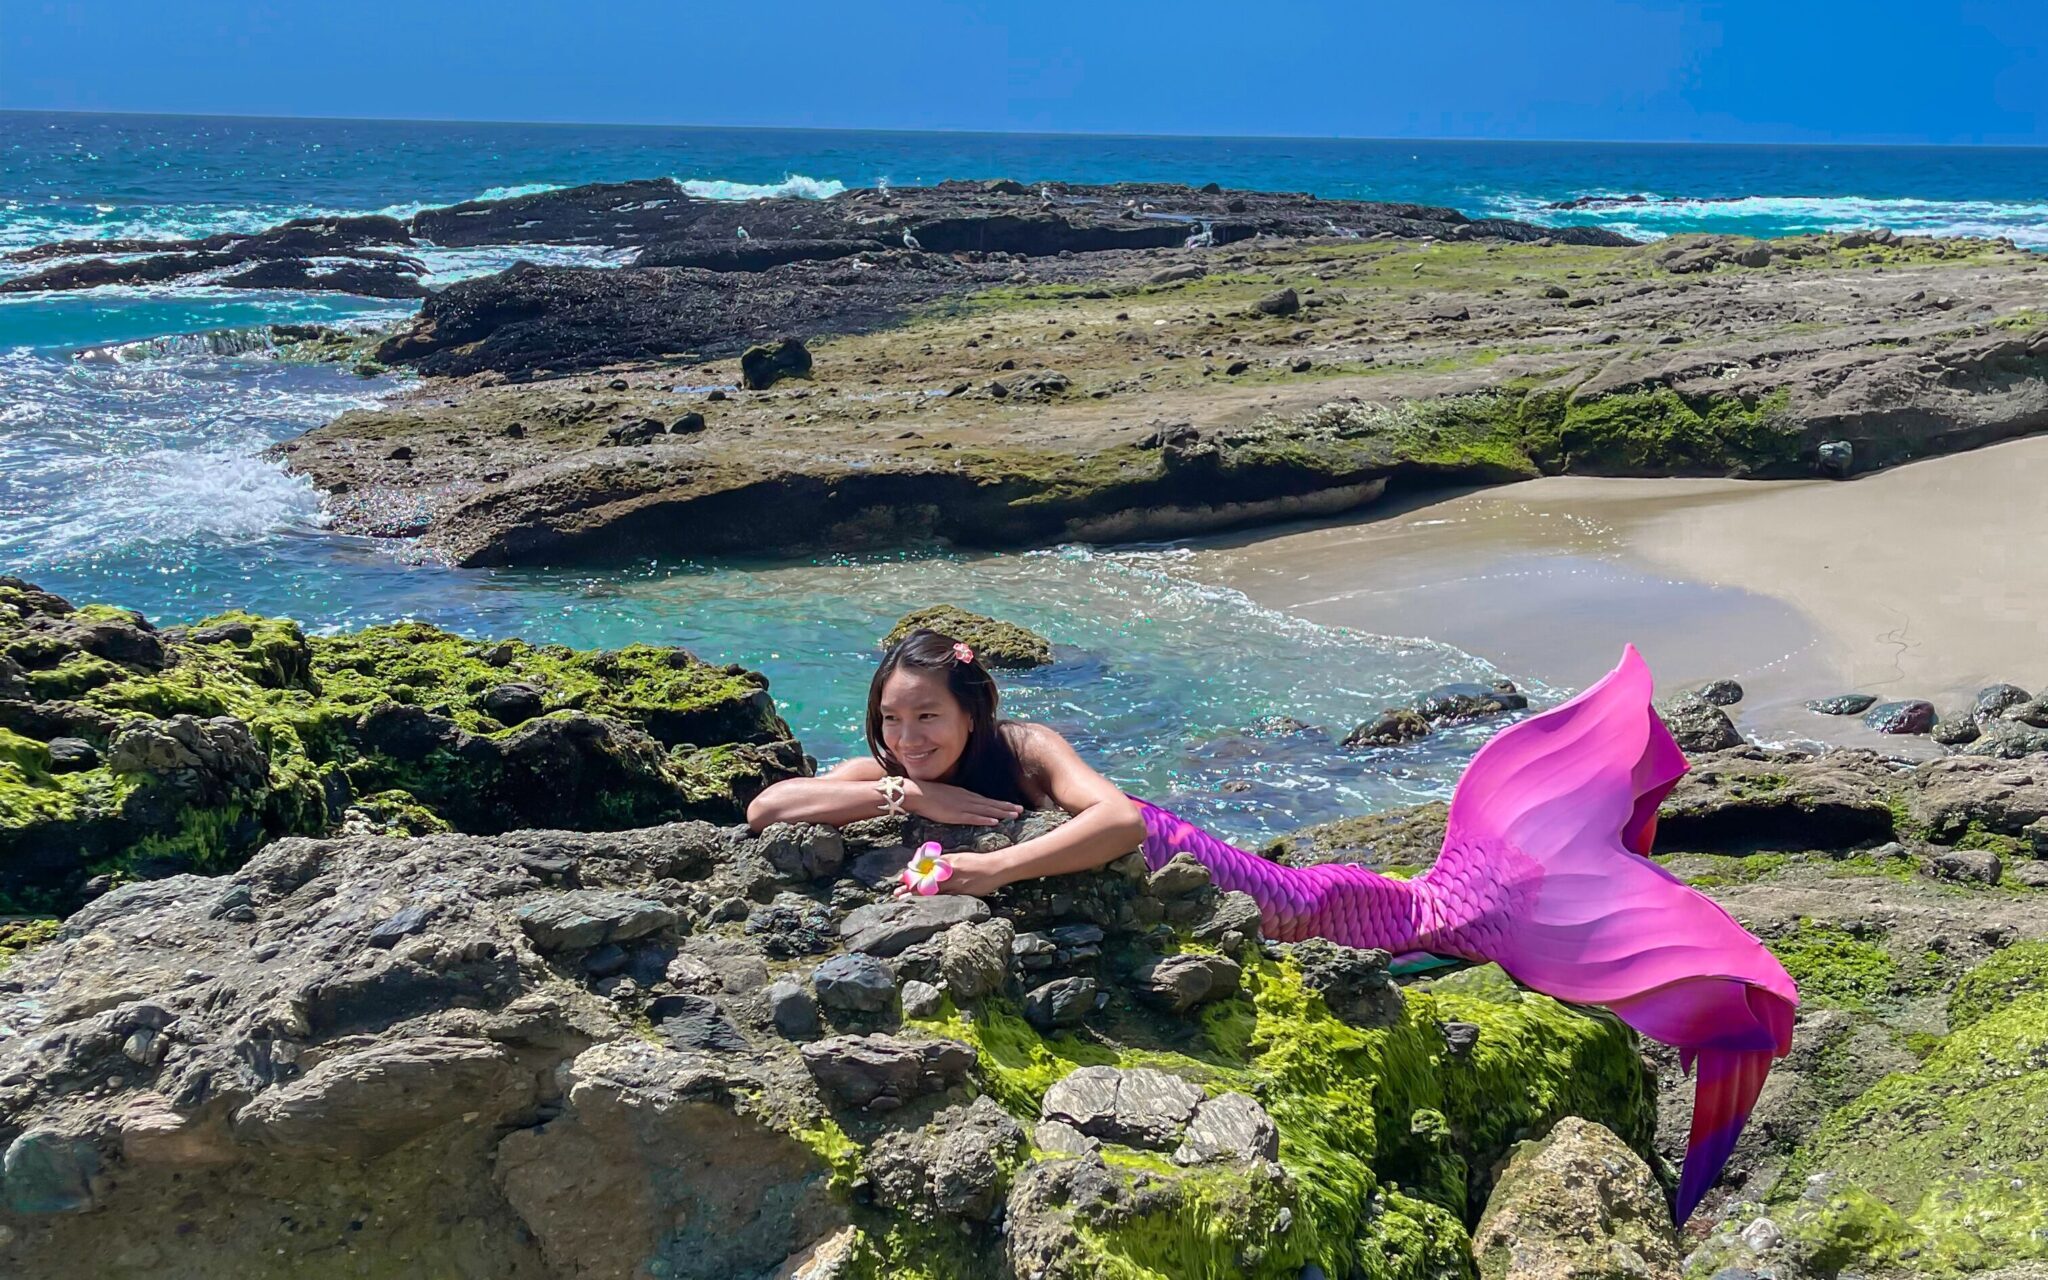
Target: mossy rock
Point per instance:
(995, 644)
(214, 739)
(17, 936)
(2017, 971)
(1940, 1171)
(1387, 1139)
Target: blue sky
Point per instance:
(1941, 71)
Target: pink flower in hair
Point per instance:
(927, 870)
(961, 653)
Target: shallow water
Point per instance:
(131, 429)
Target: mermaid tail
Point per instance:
(1543, 872)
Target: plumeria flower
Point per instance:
(927, 870)
(962, 653)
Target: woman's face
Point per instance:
(923, 726)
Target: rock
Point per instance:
(1229, 1126)
(975, 961)
(1956, 730)
(1721, 693)
(1556, 291)
(1178, 983)
(1066, 1002)
(1974, 866)
(514, 703)
(364, 1103)
(922, 1000)
(688, 425)
(800, 852)
(1062, 1138)
(1460, 1038)
(1180, 876)
(1457, 703)
(1843, 704)
(1577, 1203)
(48, 1172)
(1283, 303)
(1912, 716)
(954, 1167)
(1233, 920)
(883, 1072)
(2033, 874)
(1171, 275)
(1451, 311)
(636, 431)
(886, 928)
(1354, 984)
(597, 1209)
(1139, 1107)
(70, 755)
(999, 645)
(1834, 801)
(792, 1009)
(1395, 725)
(855, 983)
(582, 919)
(1836, 458)
(1699, 725)
(763, 366)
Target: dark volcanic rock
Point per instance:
(1843, 704)
(764, 366)
(883, 1072)
(1699, 725)
(1912, 716)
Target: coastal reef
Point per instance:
(129, 752)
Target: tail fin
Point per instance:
(1544, 871)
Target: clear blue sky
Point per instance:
(1967, 71)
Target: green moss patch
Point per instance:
(2017, 971)
(1386, 1136)
(1832, 967)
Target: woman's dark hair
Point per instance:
(988, 765)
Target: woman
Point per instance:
(938, 750)
(1544, 870)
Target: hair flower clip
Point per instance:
(927, 870)
(961, 653)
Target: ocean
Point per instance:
(132, 420)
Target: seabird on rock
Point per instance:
(744, 235)
(910, 241)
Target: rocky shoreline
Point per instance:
(399, 1030)
(1000, 365)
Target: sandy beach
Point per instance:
(1927, 580)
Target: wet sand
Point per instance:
(1929, 580)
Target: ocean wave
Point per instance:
(1653, 216)
(157, 441)
(796, 184)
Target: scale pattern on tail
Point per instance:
(1544, 871)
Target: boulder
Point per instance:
(1229, 1126)
(855, 983)
(1285, 302)
(1842, 704)
(1912, 716)
(1699, 725)
(1178, 983)
(1000, 645)
(581, 920)
(761, 367)
(882, 1072)
(886, 928)
(1066, 1002)
(1139, 1107)
(1577, 1203)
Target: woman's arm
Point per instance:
(847, 793)
(842, 794)
(1105, 825)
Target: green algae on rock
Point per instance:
(995, 644)
(1934, 1172)
(129, 752)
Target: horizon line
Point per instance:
(1037, 133)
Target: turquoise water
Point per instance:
(131, 443)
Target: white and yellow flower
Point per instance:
(927, 870)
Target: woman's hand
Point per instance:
(974, 874)
(956, 806)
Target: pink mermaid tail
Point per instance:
(1544, 872)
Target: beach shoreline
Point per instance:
(1911, 583)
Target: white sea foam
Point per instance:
(2023, 222)
(796, 184)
